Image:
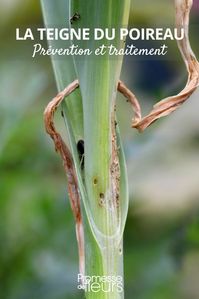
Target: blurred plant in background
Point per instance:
(37, 238)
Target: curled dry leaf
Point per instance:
(66, 156)
(132, 99)
(170, 104)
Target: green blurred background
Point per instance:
(38, 252)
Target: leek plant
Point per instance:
(94, 159)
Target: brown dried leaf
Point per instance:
(130, 98)
(66, 156)
(170, 104)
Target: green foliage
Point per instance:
(98, 81)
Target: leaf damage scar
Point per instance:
(75, 17)
(80, 149)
